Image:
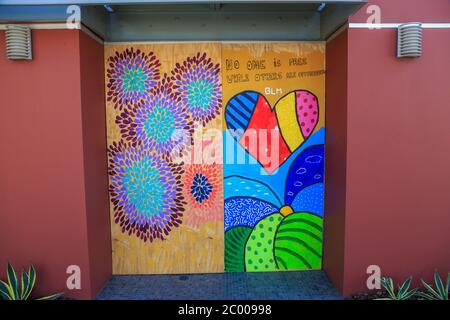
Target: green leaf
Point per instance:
(391, 285)
(447, 286)
(409, 294)
(52, 297)
(431, 290)
(439, 285)
(31, 281)
(5, 291)
(24, 284)
(404, 288)
(425, 295)
(388, 284)
(13, 282)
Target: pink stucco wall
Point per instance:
(388, 172)
(53, 190)
(393, 208)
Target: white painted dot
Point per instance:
(236, 190)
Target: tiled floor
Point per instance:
(302, 285)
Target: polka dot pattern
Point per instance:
(310, 199)
(307, 112)
(259, 249)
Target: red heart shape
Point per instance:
(254, 124)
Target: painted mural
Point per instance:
(216, 156)
(166, 203)
(274, 155)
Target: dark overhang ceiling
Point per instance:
(178, 20)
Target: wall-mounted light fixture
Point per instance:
(18, 42)
(321, 7)
(409, 40)
(108, 8)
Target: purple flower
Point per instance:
(197, 81)
(131, 75)
(160, 122)
(145, 190)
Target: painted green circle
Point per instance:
(262, 239)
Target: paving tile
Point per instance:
(222, 286)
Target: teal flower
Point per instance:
(131, 75)
(145, 190)
(197, 81)
(160, 122)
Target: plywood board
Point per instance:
(166, 215)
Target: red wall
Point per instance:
(395, 11)
(95, 162)
(52, 162)
(397, 204)
(336, 158)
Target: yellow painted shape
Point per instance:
(287, 121)
(286, 210)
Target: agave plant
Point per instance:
(441, 292)
(13, 291)
(403, 293)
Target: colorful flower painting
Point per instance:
(203, 191)
(145, 191)
(156, 116)
(131, 75)
(160, 122)
(197, 81)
